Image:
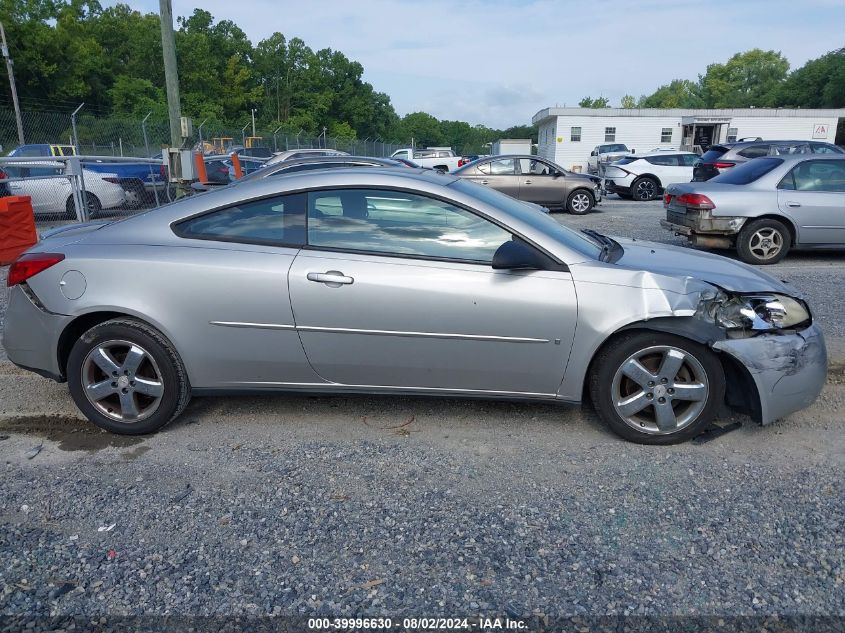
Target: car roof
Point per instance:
(661, 152)
(777, 141)
(797, 158)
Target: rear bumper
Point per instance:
(789, 370)
(31, 334)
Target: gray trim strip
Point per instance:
(338, 387)
(259, 326)
(444, 335)
(343, 330)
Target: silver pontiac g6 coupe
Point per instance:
(398, 281)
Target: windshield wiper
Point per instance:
(605, 242)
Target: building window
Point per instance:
(609, 134)
(666, 135)
(731, 135)
(575, 135)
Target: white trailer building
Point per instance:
(512, 146)
(568, 135)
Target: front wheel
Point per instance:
(580, 202)
(655, 388)
(93, 203)
(763, 241)
(127, 378)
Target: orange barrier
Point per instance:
(236, 163)
(17, 227)
(199, 166)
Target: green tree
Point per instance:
(752, 78)
(423, 128)
(629, 102)
(598, 102)
(678, 93)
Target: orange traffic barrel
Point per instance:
(17, 227)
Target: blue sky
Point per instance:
(497, 62)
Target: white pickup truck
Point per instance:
(442, 158)
(605, 154)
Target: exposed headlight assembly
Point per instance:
(760, 312)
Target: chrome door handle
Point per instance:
(793, 204)
(527, 182)
(483, 182)
(332, 278)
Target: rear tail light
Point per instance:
(724, 165)
(462, 162)
(3, 175)
(29, 265)
(667, 198)
(696, 201)
(162, 172)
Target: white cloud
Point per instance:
(499, 61)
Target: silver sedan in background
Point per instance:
(400, 281)
(764, 208)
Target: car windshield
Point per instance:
(542, 221)
(747, 172)
(613, 148)
(626, 160)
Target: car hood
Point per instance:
(680, 261)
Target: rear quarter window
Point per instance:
(713, 154)
(748, 172)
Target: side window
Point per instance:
(278, 221)
(754, 151)
(819, 175)
(668, 160)
(45, 171)
(399, 223)
(504, 167)
(823, 149)
(534, 167)
(689, 160)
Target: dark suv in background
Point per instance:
(718, 158)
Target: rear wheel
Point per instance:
(763, 241)
(655, 388)
(92, 201)
(645, 188)
(580, 202)
(126, 377)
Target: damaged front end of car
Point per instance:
(777, 345)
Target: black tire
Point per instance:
(162, 362)
(580, 202)
(645, 188)
(642, 426)
(751, 242)
(94, 205)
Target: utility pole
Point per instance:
(253, 121)
(171, 73)
(12, 85)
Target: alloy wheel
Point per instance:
(646, 189)
(122, 381)
(766, 243)
(580, 202)
(660, 390)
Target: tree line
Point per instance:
(72, 51)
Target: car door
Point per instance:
(396, 290)
(48, 189)
(812, 194)
(540, 183)
(234, 323)
(500, 174)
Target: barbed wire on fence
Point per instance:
(126, 136)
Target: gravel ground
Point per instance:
(415, 507)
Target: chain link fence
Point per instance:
(143, 138)
(117, 168)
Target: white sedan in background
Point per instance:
(51, 190)
(645, 176)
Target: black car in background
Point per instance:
(723, 156)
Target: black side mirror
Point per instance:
(633, 151)
(517, 255)
(557, 174)
(593, 153)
